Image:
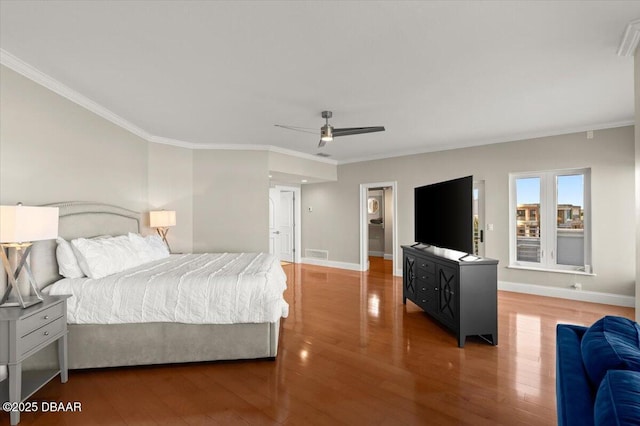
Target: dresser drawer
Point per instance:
(42, 335)
(425, 296)
(427, 265)
(426, 277)
(37, 320)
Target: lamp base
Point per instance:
(22, 250)
(163, 233)
(28, 301)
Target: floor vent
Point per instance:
(316, 254)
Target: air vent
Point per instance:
(322, 154)
(316, 254)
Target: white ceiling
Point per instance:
(438, 75)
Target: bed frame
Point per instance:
(112, 345)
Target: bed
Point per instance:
(149, 339)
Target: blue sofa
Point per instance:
(598, 373)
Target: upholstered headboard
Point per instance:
(80, 219)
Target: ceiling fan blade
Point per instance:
(298, 129)
(321, 144)
(356, 130)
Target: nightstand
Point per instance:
(23, 332)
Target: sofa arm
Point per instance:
(574, 397)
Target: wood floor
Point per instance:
(350, 353)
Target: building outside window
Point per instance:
(549, 225)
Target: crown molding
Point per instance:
(630, 42)
(490, 141)
(630, 39)
(173, 142)
(241, 147)
(32, 73)
(302, 155)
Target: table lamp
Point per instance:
(20, 226)
(162, 220)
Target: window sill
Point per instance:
(560, 271)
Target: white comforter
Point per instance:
(211, 288)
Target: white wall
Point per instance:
(170, 172)
(53, 150)
(230, 201)
(334, 223)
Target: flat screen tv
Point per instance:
(444, 214)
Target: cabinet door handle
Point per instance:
(46, 333)
(46, 317)
(436, 289)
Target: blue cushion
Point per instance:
(611, 343)
(618, 399)
(574, 397)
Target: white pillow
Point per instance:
(158, 247)
(150, 247)
(68, 265)
(140, 246)
(101, 257)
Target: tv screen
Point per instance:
(444, 214)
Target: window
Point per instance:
(549, 223)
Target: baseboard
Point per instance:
(332, 264)
(398, 273)
(385, 256)
(566, 293)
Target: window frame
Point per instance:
(548, 218)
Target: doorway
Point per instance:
(284, 221)
(385, 197)
(478, 218)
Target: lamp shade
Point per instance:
(23, 224)
(162, 218)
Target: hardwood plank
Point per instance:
(351, 353)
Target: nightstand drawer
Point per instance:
(37, 320)
(42, 335)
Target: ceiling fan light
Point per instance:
(326, 133)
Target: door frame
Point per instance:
(364, 223)
(297, 218)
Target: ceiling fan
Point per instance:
(328, 132)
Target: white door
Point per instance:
(274, 234)
(286, 224)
